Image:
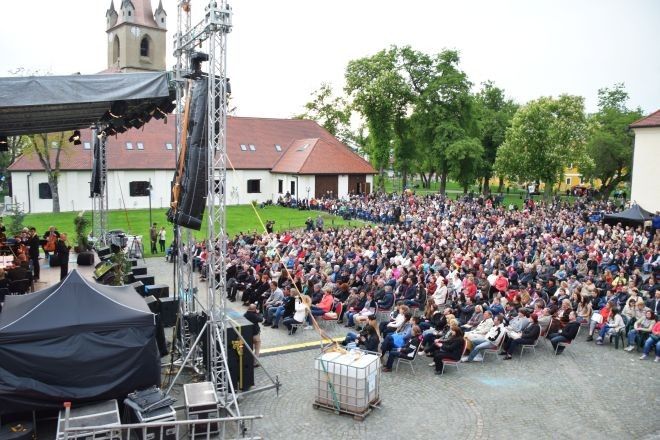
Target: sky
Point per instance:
(279, 52)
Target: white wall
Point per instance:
(237, 186)
(646, 165)
(370, 181)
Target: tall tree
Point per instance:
(464, 158)
(49, 147)
(330, 111)
(494, 113)
(381, 96)
(545, 136)
(610, 143)
(15, 145)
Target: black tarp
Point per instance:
(634, 215)
(75, 341)
(45, 104)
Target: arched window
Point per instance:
(144, 47)
(115, 49)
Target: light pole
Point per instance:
(150, 220)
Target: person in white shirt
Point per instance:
(492, 340)
(482, 329)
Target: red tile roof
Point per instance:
(261, 133)
(652, 120)
(143, 14)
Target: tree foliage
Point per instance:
(610, 143)
(464, 158)
(330, 111)
(545, 136)
(48, 148)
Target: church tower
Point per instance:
(136, 36)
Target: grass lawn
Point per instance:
(136, 221)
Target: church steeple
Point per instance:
(136, 36)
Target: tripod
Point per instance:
(136, 250)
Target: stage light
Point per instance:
(118, 109)
(227, 86)
(196, 65)
(75, 137)
(4, 143)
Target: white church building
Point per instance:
(645, 185)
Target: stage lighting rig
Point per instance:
(75, 138)
(196, 65)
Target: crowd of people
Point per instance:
(457, 276)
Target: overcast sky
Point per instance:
(280, 51)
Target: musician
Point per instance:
(33, 252)
(62, 250)
(51, 236)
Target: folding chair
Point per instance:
(453, 363)
(383, 314)
(333, 320)
(532, 347)
(491, 351)
(408, 360)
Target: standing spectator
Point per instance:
(162, 237)
(62, 250)
(255, 318)
(153, 236)
(319, 222)
(33, 252)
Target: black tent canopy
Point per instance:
(75, 341)
(635, 215)
(44, 104)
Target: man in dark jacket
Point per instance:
(405, 352)
(62, 250)
(33, 252)
(255, 318)
(567, 334)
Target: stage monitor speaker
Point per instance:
(138, 286)
(103, 252)
(133, 262)
(195, 175)
(158, 290)
(139, 270)
(153, 303)
(85, 259)
(147, 280)
(53, 260)
(168, 311)
(138, 189)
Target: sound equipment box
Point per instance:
(102, 269)
(133, 262)
(139, 287)
(201, 403)
(157, 290)
(103, 252)
(53, 260)
(168, 309)
(153, 303)
(147, 280)
(85, 259)
(104, 414)
(139, 270)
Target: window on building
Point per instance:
(243, 147)
(293, 188)
(129, 13)
(44, 191)
(280, 186)
(138, 188)
(254, 186)
(169, 146)
(144, 47)
(87, 146)
(140, 146)
(568, 181)
(278, 147)
(570, 165)
(252, 148)
(129, 145)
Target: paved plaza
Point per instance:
(599, 392)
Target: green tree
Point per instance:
(330, 111)
(464, 158)
(493, 113)
(49, 147)
(545, 136)
(15, 145)
(610, 142)
(381, 96)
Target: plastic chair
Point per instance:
(532, 347)
(621, 334)
(453, 363)
(408, 360)
(491, 351)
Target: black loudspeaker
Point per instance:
(194, 180)
(138, 189)
(54, 260)
(129, 278)
(147, 280)
(160, 337)
(133, 262)
(139, 287)
(85, 259)
(95, 184)
(238, 357)
(103, 252)
(139, 270)
(153, 303)
(157, 290)
(168, 310)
